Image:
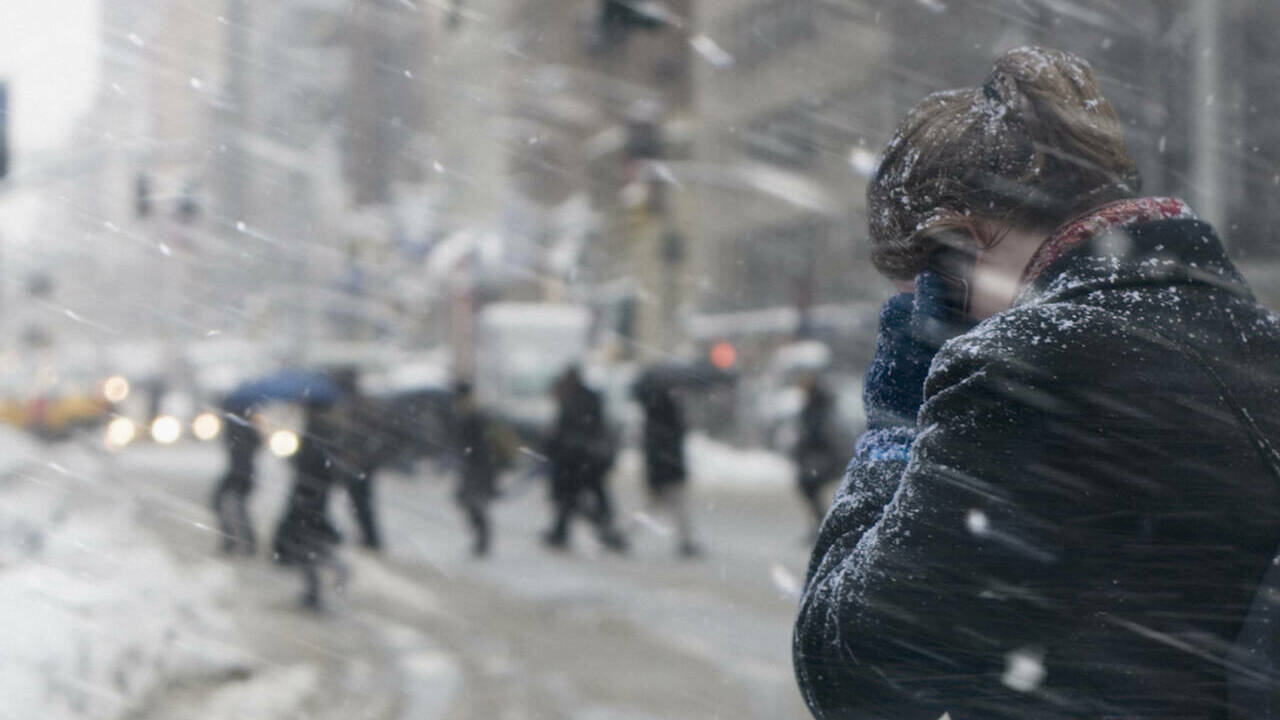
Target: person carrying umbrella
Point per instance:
(231, 494)
(666, 477)
(305, 537)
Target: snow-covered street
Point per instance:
(119, 606)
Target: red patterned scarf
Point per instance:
(1100, 221)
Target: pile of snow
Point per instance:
(96, 614)
(275, 693)
(713, 462)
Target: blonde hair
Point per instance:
(1032, 147)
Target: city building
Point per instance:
(602, 94)
(789, 122)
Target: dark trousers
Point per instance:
(477, 512)
(816, 471)
(230, 500)
(588, 494)
(811, 493)
(312, 580)
(360, 490)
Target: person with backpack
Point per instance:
(1068, 492)
(581, 449)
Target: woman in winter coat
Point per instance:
(1065, 510)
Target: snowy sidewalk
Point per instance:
(121, 608)
(97, 614)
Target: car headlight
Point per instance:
(120, 432)
(283, 443)
(206, 426)
(166, 429)
(115, 389)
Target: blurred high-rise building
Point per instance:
(601, 100)
(795, 99)
(789, 118)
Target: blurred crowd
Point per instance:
(349, 437)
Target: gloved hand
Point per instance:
(913, 326)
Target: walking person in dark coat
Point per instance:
(475, 455)
(231, 496)
(360, 452)
(665, 475)
(817, 462)
(305, 537)
(581, 451)
(1065, 511)
(371, 456)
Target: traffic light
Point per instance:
(723, 355)
(188, 205)
(142, 195)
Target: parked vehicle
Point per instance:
(521, 349)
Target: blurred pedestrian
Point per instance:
(359, 450)
(816, 458)
(665, 475)
(581, 450)
(363, 454)
(1065, 510)
(479, 455)
(305, 537)
(230, 497)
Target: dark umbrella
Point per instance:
(292, 385)
(673, 375)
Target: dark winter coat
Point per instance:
(1077, 522)
(814, 452)
(663, 440)
(580, 447)
(475, 454)
(242, 441)
(363, 443)
(305, 533)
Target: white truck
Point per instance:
(520, 350)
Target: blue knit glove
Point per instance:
(913, 326)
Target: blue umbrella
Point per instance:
(291, 385)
